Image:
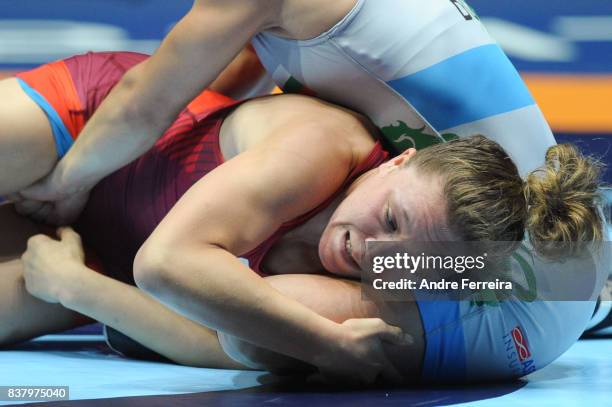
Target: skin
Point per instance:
(272, 122)
(149, 97)
(393, 203)
(201, 236)
(27, 139)
(23, 315)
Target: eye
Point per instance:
(390, 219)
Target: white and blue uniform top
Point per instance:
(426, 72)
(423, 71)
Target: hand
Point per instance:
(61, 212)
(51, 267)
(360, 357)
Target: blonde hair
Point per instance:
(487, 200)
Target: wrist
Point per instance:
(78, 286)
(65, 183)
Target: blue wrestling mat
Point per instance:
(582, 376)
(559, 46)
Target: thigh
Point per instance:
(27, 150)
(23, 316)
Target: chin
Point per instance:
(327, 253)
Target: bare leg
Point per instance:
(27, 149)
(22, 316)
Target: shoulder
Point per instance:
(310, 154)
(305, 155)
(302, 126)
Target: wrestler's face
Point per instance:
(392, 202)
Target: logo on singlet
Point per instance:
(520, 343)
(518, 353)
(292, 85)
(403, 137)
(524, 286)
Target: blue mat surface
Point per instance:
(582, 376)
(92, 370)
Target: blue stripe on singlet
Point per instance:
(61, 135)
(445, 357)
(471, 86)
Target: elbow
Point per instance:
(162, 265)
(153, 268)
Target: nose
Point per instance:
(372, 242)
(384, 244)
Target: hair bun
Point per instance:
(562, 198)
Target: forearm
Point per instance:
(150, 96)
(116, 134)
(233, 299)
(137, 315)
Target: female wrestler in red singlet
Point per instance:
(253, 141)
(293, 185)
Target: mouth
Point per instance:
(348, 247)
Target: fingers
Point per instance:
(42, 213)
(67, 234)
(45, 212)
(36, 240)
(27, 207)
(387, 333)
(38, 192)
(395, 335)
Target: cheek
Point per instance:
(364, 204)
(364, 215)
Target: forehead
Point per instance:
(422, 199)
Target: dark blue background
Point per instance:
(150, 19)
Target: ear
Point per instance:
(399, 160)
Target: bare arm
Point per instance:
(144, 319)
(146, 101)
(338, 300)
(54, 271)
(190, 263)
(335, 299)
